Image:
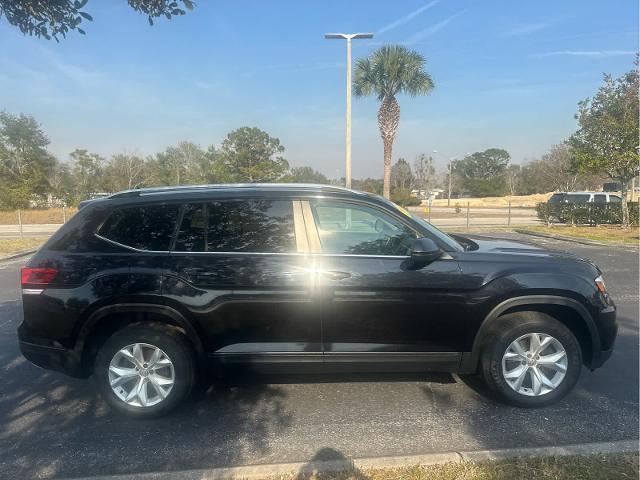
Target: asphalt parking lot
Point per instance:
(54, 426)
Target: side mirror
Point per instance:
(424, 251)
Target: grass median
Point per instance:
(10, 246)
(596, 467)
(602, 233)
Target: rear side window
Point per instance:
(600, 199)
(581, 198)
(148, 227)
(257, 226)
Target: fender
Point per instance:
(164, 310)
(470, 360)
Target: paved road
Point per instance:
(53, 426)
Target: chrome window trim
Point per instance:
(134, 249)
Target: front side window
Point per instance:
(145, 228)
(256, 226)
(346, 228)
(614, 199)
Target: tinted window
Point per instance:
(615, 199)
(146, 228)
(360, 230)
(582, 198)
(262, 226)
(600, 199)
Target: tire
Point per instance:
(523, 326)
(158, 395)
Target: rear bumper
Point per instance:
(50, 357)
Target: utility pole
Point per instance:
(348, 37)
(450, 176)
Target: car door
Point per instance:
(239, 268)
(377, 309)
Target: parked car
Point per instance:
(147, 289)
(584, 197)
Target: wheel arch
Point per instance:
(570, 312)
(108, 319)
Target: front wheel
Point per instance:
(144, 370)
(533, 360)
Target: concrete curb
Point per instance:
(22, 253)
(254, 472)
(582, 241)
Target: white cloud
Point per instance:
(422, 34)
(408, 18)
(587, 53)
(529, 28)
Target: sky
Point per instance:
(507, 74)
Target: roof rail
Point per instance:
(230, 186)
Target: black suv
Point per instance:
(147, 288)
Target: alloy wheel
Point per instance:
(141, 375)
(534, 364)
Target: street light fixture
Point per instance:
(348, 37)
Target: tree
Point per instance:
(25, 164)
(371, 185)
(305, 175)
(482, 173)
(125, 172)
(387, 72)
(251, 155)
(424, 172)
(607, 138)
(512, 179)
(55, 18)
(62, 183)
(87, 173)
(401, 175)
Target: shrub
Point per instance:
(586, 213)
(404, 198)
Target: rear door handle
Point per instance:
(335, 275)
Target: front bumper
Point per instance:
(607, 331)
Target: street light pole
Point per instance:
(450, 175)
(347, 153)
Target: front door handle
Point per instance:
(335, 275)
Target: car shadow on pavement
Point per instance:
(55, 426)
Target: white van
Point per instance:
(584, 197)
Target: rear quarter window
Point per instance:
(148, 227)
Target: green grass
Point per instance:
(591, 467)
(14, 245)
(602, 233)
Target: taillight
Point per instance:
(37, 276)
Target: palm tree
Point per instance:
(388, 71)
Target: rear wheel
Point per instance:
(532, 361)
(145, 370)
